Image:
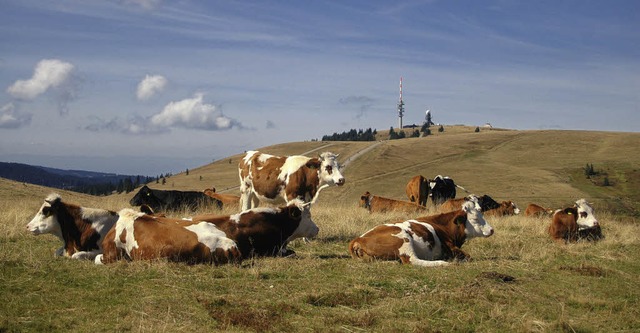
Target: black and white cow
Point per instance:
(161, 200)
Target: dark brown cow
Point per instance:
(418, 190)
(137, 236)
(575, 223)
(228, 200)
(426, 241)
(277, 179)
(265, 231)
(80, 229)
(534, 210)
(506, 208)
(376, 204)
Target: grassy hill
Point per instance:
(545, 167)
(587, 287)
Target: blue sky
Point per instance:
(153, 86)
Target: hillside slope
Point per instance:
(545, 167)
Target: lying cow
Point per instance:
(486, 203)
(80, 229)
(506, 208)
(418, 190)
(265, 231)
(161, 200)
(427, 241)
(575, 223)
(376, 204)
(137, 236)
(277, 179)
(228, 200)
(534, 210)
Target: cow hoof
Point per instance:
(287, 253)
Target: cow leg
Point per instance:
(408, 255)
(88, 255)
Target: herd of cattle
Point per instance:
(294, 182)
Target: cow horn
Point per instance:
(315, 197)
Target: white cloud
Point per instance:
(10, 117)
(192, 113)
(150, 85)
(49, 73)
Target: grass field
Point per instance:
(518, 279)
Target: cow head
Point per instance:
(365, 200)
(487, 202)
(145, 196)
(586, 218)
(301, 211)
(330, 170)
(475, 225)
(46, 220)
(510, 208)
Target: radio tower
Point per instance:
(400, 106)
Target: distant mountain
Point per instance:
(74, 180)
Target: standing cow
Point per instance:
(275, 179)
(442, 189)
(418, 190)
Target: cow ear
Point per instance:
(460, 220)
(314, 164)
(295, 212)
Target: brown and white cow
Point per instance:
(377, 204)
(228, 200)
(265, 231)
(506, 208)
(534, 210)
(277, 179)
(137, 236)
(418, 190)
(575, 223)
(426, 241)
(80, 229)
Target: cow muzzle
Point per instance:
(340, 182)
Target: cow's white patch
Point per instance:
(419, 251)
(101, 221)
(586, 218)
(291, 165)
(476, 225)
(126, 222)
(212, 237)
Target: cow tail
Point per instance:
(462, 188)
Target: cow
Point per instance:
(80, 229)
(265, 231)
(138, 236)
(534, 210)
(161, 200)
(418, 190)
(426, 241)
(374, 203)
(486, 203)
(229, 200)
(277, 179)
(442, 189)
(574, 223)
(506, 208)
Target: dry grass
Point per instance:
(518, 280)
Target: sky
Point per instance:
(155, 86)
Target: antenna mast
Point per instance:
(400, 106)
